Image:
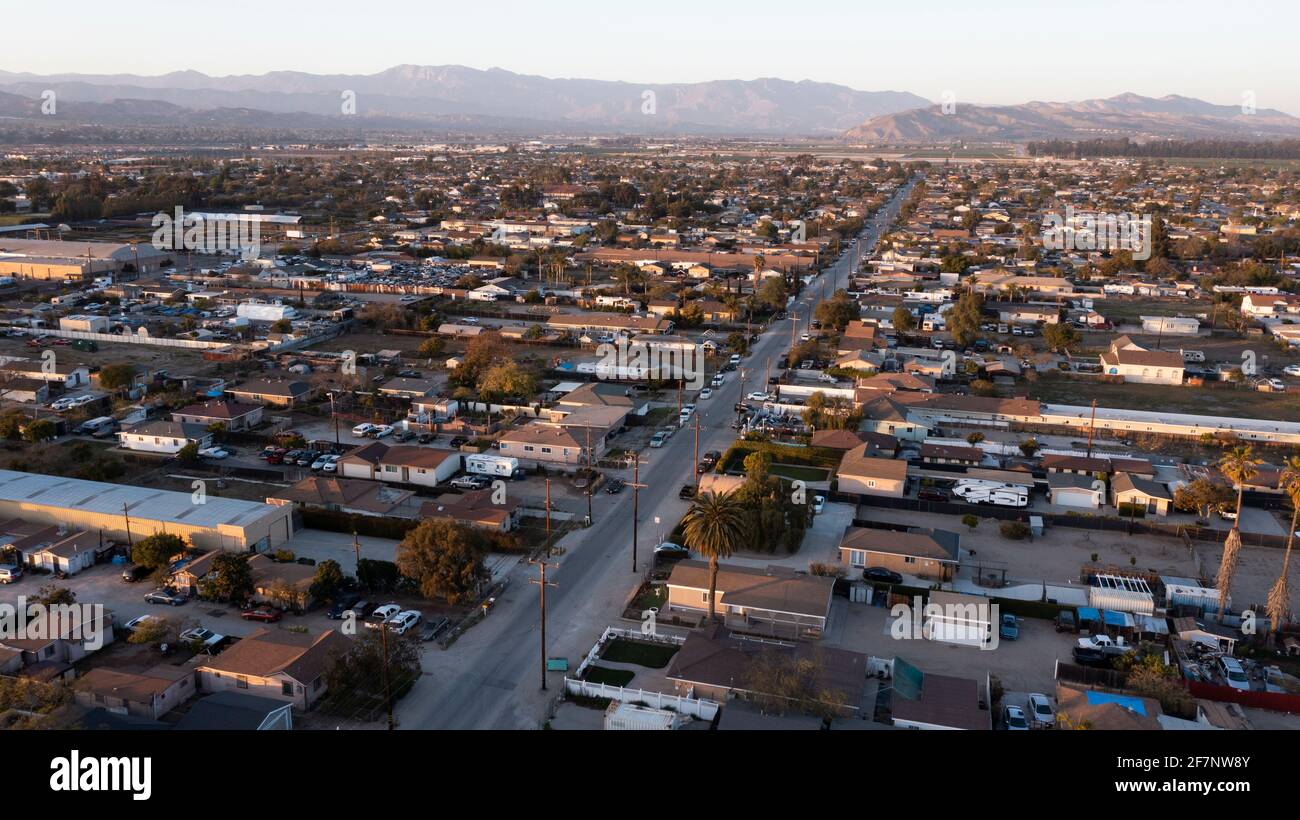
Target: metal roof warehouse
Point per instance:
(125, 512)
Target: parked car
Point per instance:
(10, 573)
(433, 628)
(341, 606)
(425, 438)
(403, 621)
(165, 596)
(363, 429)
(1292, 370)
(1014, 718)
(382, 431)
(668, 551)
(1084, 656)
(471, 482)
(1041, 711)
(1009, 629)
(658, 439)
(207, 637)
(1065, 621)
(887, 576)
(614, 485)
(265, 614)
(135, 572)
(135, 623)
(706, 393)
(687, 491)
(458, 441)
(381, 615)
(1233, 673)
(932, 494)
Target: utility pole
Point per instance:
(591, 475)
(542, 584)
(697, 453)
(356, 548)
(128, 526)
(548, 524)
(636, 487)
(388, 692)
(1092, 425)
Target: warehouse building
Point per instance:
(126, 513)
(59, 260)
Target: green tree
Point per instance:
(40, 430)
(362, 680)
(51, 595)
(230, 579)
(444, 558)
(117, 376)
(964, 319)
(1029, 446)
(189, 453)
(507, 380)
(328, 581)
(431, 348)
(904, 321)
(715, 526)
(157, 550)
(1060, 336)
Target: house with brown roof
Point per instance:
(284, 585)
(1106, 711)
(400, 464)
(836, 439)
(1138, 364)
(235, 416)
(274, 392)
(774, 601)
(346, 495)
(475, 508)
(714, 663)
(866, 474)
(943, 702)
(930, 554)
(951, 454)
(150, 693)
(539, 444)
(277, 664)
(1149, 495)
(55, 549)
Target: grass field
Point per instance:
(800, 473)
(611, 677)
(651, 655)
(1201, 401)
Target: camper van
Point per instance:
(101, 427)
(992, 492)
(1193, 356)
(493, 466)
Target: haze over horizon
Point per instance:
(1189, 49)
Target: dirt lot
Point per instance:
(1205, 401)
(1058, 555)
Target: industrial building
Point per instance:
(126, 513)
(58, 260)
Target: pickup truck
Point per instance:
(1105, 644)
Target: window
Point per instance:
(858, 558)
(909, 559)
(704, 596)
(241, 682)
(528, 448)
(871, 482)
(286, 688)
(546, 449)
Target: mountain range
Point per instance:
(1124, 115)
(457, 98)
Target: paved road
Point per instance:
(491, 677)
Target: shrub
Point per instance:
(1015, 530)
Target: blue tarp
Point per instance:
(1112, 618)
(1088, 613)
(1130, 703)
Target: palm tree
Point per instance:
(1279, 597)
(1239, 465)
(716, 526)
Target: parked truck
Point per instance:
(502, 466)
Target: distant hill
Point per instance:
(456, 96)
(1127, 115)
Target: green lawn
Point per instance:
(610, 677)
(651, 655)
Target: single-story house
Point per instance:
(151, 693)
(944, 702)
(931, 554)
(474, 509)
(772, 601)
(236, 711)
(160, 436)
(233, 415)
(1073, 490)
(344, 495)
(276, 664)
(1150, 495)
(275, 392)
(951, 454)
(868, 475)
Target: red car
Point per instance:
(262, 613)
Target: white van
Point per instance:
(94, 427)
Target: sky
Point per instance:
(991, 52)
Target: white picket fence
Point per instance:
(702, 709)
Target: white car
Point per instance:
(206, 636)
(383, 430)
(135, 623)
(382, 614)
(1292, 370)
(319, 464)
(403, 621)
(1233, 673)
(706, 393)
(759, 396)
(1277, 385)
(819, 504)
(1014, 718)
(363, 429)
(331, 464)
(214, 452)
(719, 380)
(658, 439)
(1040, 709)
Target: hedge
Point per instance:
(781, 454)
(335, 521)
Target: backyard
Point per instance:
(1203, 401)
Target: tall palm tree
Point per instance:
(716, 526)
(1279, 597)
(1239, 465)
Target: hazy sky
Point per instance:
(997, 51)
